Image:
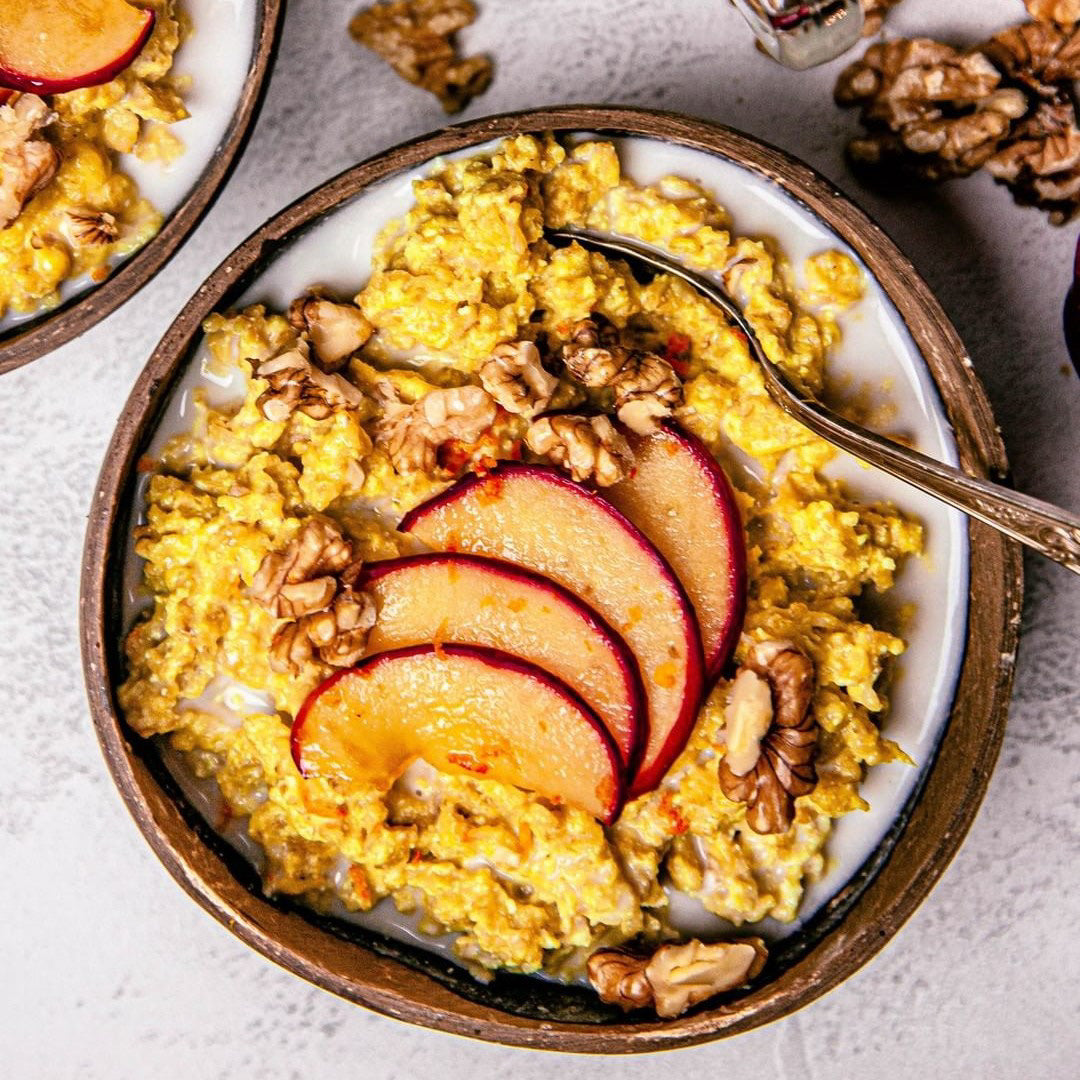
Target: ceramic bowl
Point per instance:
(949, 695)
(229, 59)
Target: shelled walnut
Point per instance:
(411, 434)
(874, 12)
(516, 378)
(675, 977)
(645, 386)
(1063, 12)
(929, 108)
(588, 447)
(415, 37)
(27, 162)
(1041, 163)
(336, 330)
(771, 736)
(1009, 104)
(1042, 57)
(295, 384)
(310, 583)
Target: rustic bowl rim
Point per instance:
(953, 786)
(49, 330)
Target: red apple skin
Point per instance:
(28, 82)
(631, 748)
(492, 658)
(5, 95)
(719, 643)
(655, 764)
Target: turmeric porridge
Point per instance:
(506, 595)
(68, 208)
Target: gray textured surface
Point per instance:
(110, 971)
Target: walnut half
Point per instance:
(645, 385)
(416, 38)
(771, 736)
(675, 977)
(515, 377)
(295, 384)
(310, 584)
(588, 447)
(336, 330)
(27, 163)
(931, 110)
(411, 434)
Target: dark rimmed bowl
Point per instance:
(40, 334)
(413, 985)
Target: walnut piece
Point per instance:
(588, 447)
(782, 768)
(619, 978)
(874, 12)
(646, 391)
(675, 977)
(1041, 162)
(415, 37)
(295, 384)
(748, 717)
(645, 385)
(930, 109)
(516, 378)
(1042, 57)
(411, 434)
(338, 636)
(291, 582)
(593, 354)
(336, 330)
(310, 583)
(27, 163)
(1062, 12)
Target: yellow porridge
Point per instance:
(266, 524)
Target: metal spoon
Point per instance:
(1048, 529)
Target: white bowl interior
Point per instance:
(876, 355)
(216, 56)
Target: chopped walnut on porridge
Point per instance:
(411, 434)
(516, 378)
(310, 584)
(27, 161)
(771, 736)
(295, 384)
(588, 447)
(336, 330)
(645, 386)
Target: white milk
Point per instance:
(876, 351)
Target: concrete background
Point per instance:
(110, 971)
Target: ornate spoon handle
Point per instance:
(1040, 525)
(1048, 529)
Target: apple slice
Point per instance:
(477, 601)
(464, 709)
(680, 498)
(51, 46)
(540, 519)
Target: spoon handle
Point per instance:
(1048, 529)
(1051, 531)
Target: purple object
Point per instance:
(1071, 314)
